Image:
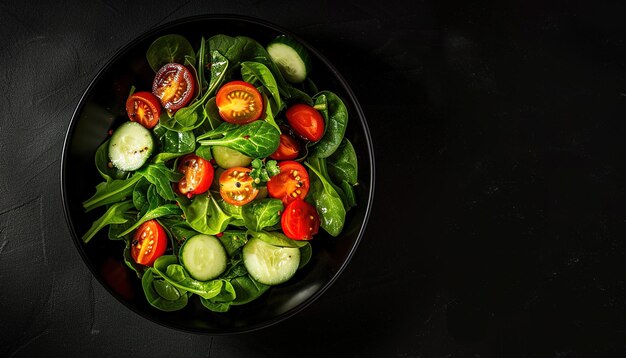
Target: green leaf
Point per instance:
(233, 240)
(155, 299)
(168, 268)
(258, 139)
(258, 74)
(247, 289)
(269, 112)
(306, 252)
(173, 143)
(261, 213)
(336, 117)
(213, 114)
(204, 215)
(343, 164)
(326, 200)
(161, 176)
(165, 210)
(114, 215)
(111, 192)
(167, 49)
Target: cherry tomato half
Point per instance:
(291, 183)
(300, 220)
(306, 121)
(174, 85)
(198, 175)
(236, 186)
(149, 243)
(289, 148)
(239, 102)
(144, 108)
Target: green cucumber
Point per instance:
(291, 58)
(130, 146)
(269, 264)
(204, 257)
(230, 158)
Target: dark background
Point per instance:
(499, 223)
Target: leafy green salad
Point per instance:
(224, 171)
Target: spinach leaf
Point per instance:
(262, 213)
(115, 230)
(167, 49)
(221, 302)
(155, 299)
(233, 240)
(167, 267)
(247, 289)
(231, 210)
(350, 199)
(242, 48)
(298, 96)
(165, 210)
(336, 116)
(306, 252)
(213, 114)
(140, 193)
(258, 74)
(327, 201)
(277, 239)
(154, 199)
(161, 176)
(258, 139)
(107, 171)
(114, 215)
(342, 164)
(173, 143)
(204, 215)
(269, 112)
(111, 192)
(236, 269)
(202, 83)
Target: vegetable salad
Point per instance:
(224, 171)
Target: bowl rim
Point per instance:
(87, 92)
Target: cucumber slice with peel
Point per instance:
(204, 257)
(269, 264)
(291, 58)
(229, 158)
(130, 146)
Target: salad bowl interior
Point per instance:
(102, 106)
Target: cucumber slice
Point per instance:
(130, 146)
(203, 256)
(230, 158)
(291, 58)
(269, 264)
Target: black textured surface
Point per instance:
(499, 226)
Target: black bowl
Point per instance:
(102, 104)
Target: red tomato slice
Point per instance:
(300, 220)
(239, 102)
(198, 175)
(236, 186)
(174, 85)
(149, 243)
(306, 121)
(144, 108)
(289, 148)
(290, 184)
